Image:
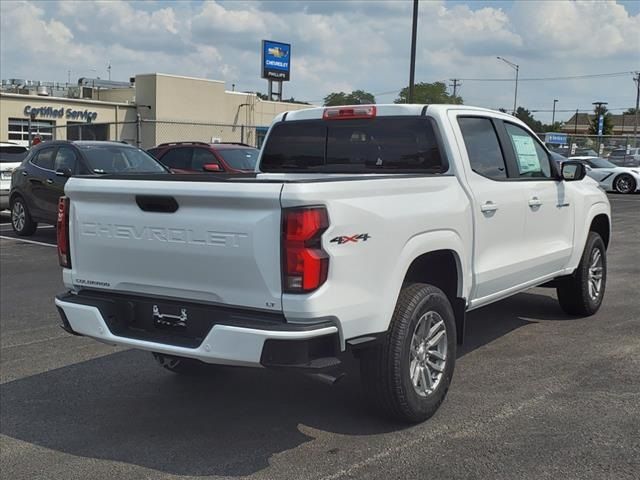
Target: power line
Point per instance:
(540, 79)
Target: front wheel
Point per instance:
(582, 293)
(407, 375)
(624, 183)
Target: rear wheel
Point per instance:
(624, 183)
(582, 293)
(180, 365)
(407, 376)
(21, 220)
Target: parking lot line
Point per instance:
(28, 241)
(7, 228)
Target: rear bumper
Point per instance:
(289, 346)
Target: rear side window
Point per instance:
(380, 145)
(12, 154)
(44, 158)
(65, 158)
(481, 141)
(178, 158)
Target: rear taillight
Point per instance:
(349, 113)
(64, 252)
(304, 263)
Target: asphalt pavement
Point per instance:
(536, 394)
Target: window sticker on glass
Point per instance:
(528, 160)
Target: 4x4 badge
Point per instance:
(351, 238)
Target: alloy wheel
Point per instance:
(428, 353)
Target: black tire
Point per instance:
(624, 183)
(574, 292)
(23, 225)
(386, 368)
(179, 365)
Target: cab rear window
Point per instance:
(379, 145)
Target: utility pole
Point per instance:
(553, 116)
(414, 34)
(575, 124)
(456, 82)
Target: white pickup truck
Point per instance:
(369, 230)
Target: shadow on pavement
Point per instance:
(123, 407)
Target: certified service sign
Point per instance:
(276, 60)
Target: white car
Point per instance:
(367, 230)
(11, 156)
(611, 177)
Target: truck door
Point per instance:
(498, 208)
(549, 212)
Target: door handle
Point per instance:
(488, 207)
(49, 181)
(24, 174)
(534, 202)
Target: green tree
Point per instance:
(630, 111)
(607, 124)
(428, 93)
(357, 97)
(555, 127)
(527, 117)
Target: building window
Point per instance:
(87, 131)
(19, 129)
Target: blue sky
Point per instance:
(339, 45)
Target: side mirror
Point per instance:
(212, 167)
(572, 171)
(64, 172)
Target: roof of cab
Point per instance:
(391, 109)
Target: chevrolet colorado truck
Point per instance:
(368, 229)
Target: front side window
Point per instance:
(532, 160)
(202, 157)
(240, 158)
(377, 145)
(44, 158)
(483, 148)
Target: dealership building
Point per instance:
(150, 109)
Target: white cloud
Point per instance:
(336, 45)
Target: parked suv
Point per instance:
(38, 183)
(11, 156)
(186, 157)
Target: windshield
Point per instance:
(13, 154)
(601, 163)
(120, 159)
(379, 145)
(240, 158)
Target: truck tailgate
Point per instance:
(221, 244)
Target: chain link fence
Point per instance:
(620, 149)
(149, 133)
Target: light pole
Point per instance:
(516, 67)
(553, 115)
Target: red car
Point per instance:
(191, 157)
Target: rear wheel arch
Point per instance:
(602, 226)
(442, 269)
